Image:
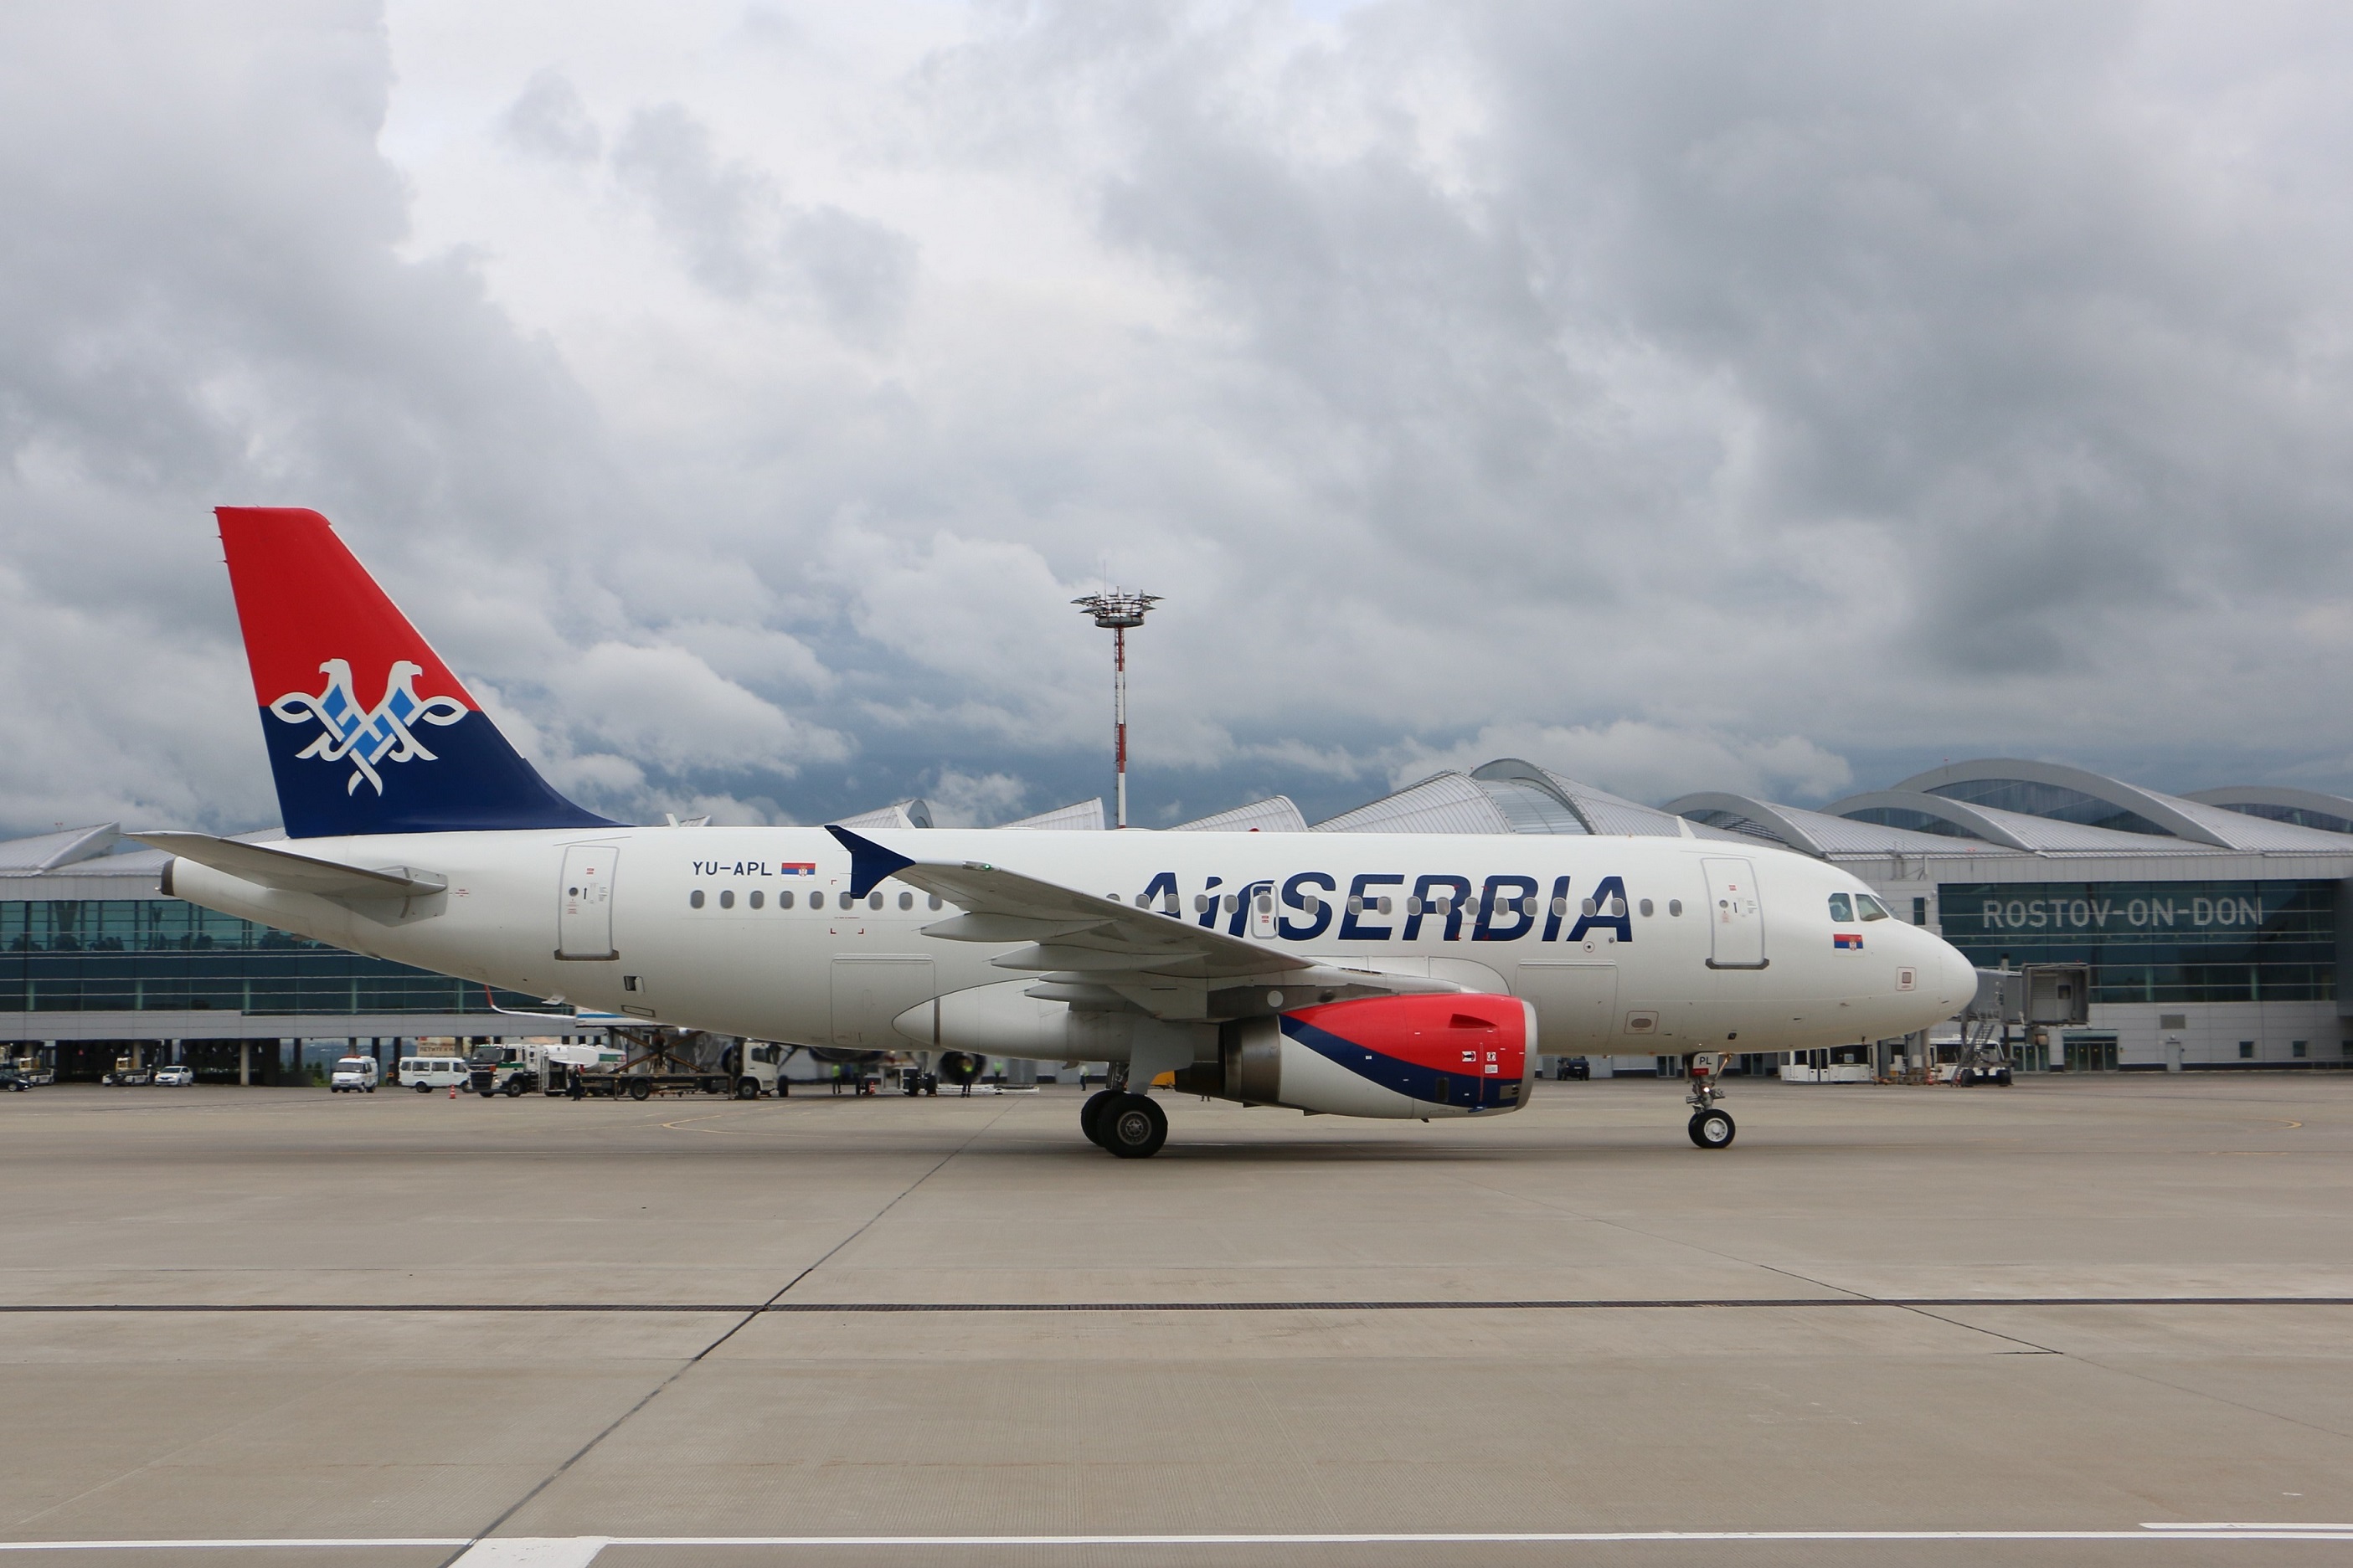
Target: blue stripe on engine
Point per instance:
(1409, 1078)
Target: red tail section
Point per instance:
(368, 731)
(303, 598)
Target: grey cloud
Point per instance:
(861, 273)
(550, 120)
(714, 212)
(741, 239)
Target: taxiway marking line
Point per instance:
(527, 1548)
(1600, 1304)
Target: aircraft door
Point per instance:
(1736, 924)
(584, 918)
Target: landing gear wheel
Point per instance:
(747, 1089)
(1711, 1128)
(641, 1090)
(1091, 1115)
(1132, 1127)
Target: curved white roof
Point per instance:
(1443, 803)
(2055, 792)
(1085, 816)
(909, 813)
(2281, 803)
(1816, 833)
(1598, 809)
(1279, 815)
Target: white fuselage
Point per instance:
(1777, 977)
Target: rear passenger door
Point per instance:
(583, 919)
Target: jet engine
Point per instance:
(1455, 1055)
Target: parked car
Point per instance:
(176, 1077)
(127, 1071)
(354, 1073)
(12, 1081)
(1576, 1067)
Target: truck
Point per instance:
(534, 1066)
(634, 1065)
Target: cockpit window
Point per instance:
(1867, 907)
(1839, 909)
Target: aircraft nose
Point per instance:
(1956, 975)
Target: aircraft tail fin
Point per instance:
(368, 731)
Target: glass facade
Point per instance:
(2056, 802)
(2157, 941)
(2301, 817)
(1913, 821)
(81, 955)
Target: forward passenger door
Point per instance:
(1736, 915)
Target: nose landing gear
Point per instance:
(1711, 1127)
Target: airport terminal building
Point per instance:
(2210, 924)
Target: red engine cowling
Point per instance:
(1454, 1055)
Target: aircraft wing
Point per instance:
(1087, 948)
(1063, 929)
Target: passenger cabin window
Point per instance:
(1841, 908)
(756, 898)
(727, 898)
(906, 901)
(1867, 907)
(694, 899)
(785, 900)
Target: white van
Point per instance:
(356, 1074)
(426, 1074)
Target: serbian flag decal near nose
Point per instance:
(1847, 940)
(368, 731)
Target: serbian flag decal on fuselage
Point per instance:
(368, 731)
(1847, 940)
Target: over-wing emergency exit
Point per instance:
(1405, 977)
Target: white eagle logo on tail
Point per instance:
(363, 737)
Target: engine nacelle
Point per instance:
(1461, 1055)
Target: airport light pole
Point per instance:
(1115, 610)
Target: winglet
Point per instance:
(869, 861)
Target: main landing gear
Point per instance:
(1130, 1126)
(1711, 1127)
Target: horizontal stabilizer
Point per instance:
(270, 867)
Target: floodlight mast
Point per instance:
(1115, 610)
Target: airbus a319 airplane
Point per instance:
(1379, 975)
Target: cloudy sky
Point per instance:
(1765, 396)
